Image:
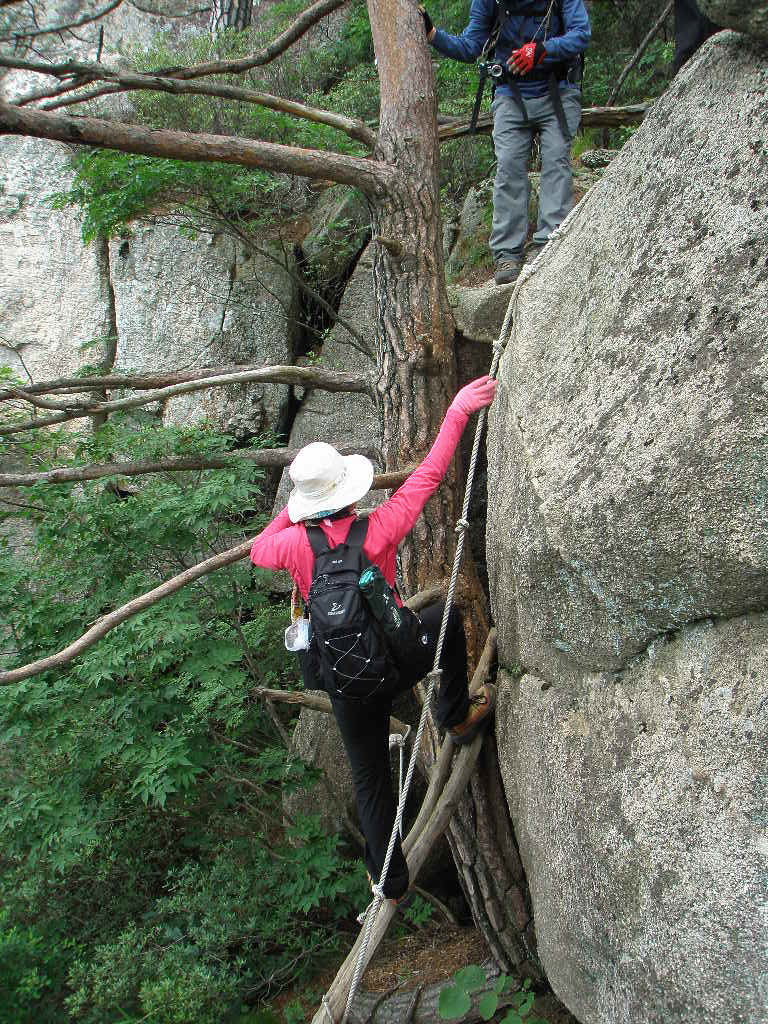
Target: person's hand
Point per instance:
(521, 61)
(429, 28)
(475, 395)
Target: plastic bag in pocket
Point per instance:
(297, 635)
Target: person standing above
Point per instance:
(537, 47)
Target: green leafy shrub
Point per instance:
(146, 872)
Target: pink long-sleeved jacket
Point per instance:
(284, 545)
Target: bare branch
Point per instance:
(18, 37)
(126, 382)
(372, 177)
(314, 700)
(129, 81)
(76, 82)
(264, 458)
(109, 622)
(305, 376)
(639, 52)
(294, 32)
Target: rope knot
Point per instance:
(378, 890)
(461, 525)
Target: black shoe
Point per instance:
(507, 269)
(532, 250)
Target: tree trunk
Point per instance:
(416, 331)
(484, 848)
(418, 380)
(420, 1005)
(230, 14)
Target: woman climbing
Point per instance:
(320, 517)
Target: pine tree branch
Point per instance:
(130, 81)
(591, 117)
(373, 178)
(264, 458)
(305, 376)
(125, 382)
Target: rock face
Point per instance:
(628, 475)
(639, 812)
(350, 420)
(54, 295)
(205, 302)
(741, 15)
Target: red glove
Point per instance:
(475, 395)
(526, 58)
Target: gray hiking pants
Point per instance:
(512, 138)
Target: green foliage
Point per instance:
(455, 999)
(215, 934)
(113, 189)
(419, 911)
(145, 870)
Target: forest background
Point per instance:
(148, 871)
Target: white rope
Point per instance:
(461, 528)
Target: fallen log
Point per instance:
(591, 117)
(419, 1005)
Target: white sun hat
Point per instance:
(326, 481)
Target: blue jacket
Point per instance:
(564, 37)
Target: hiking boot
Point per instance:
(532, 250)
(481, 707)
(506, 270)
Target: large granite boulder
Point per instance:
(628, 564)
(639, 806)
(627, 445)
(741, 15)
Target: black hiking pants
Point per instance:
(364, 727)
(692, 28)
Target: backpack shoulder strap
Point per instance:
(317, 540)
(357, 533)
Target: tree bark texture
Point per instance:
(482, 840)
(420, 1005)
(235, 14)
(415, 330)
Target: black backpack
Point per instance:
(348, 653)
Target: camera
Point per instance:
(492, 70)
